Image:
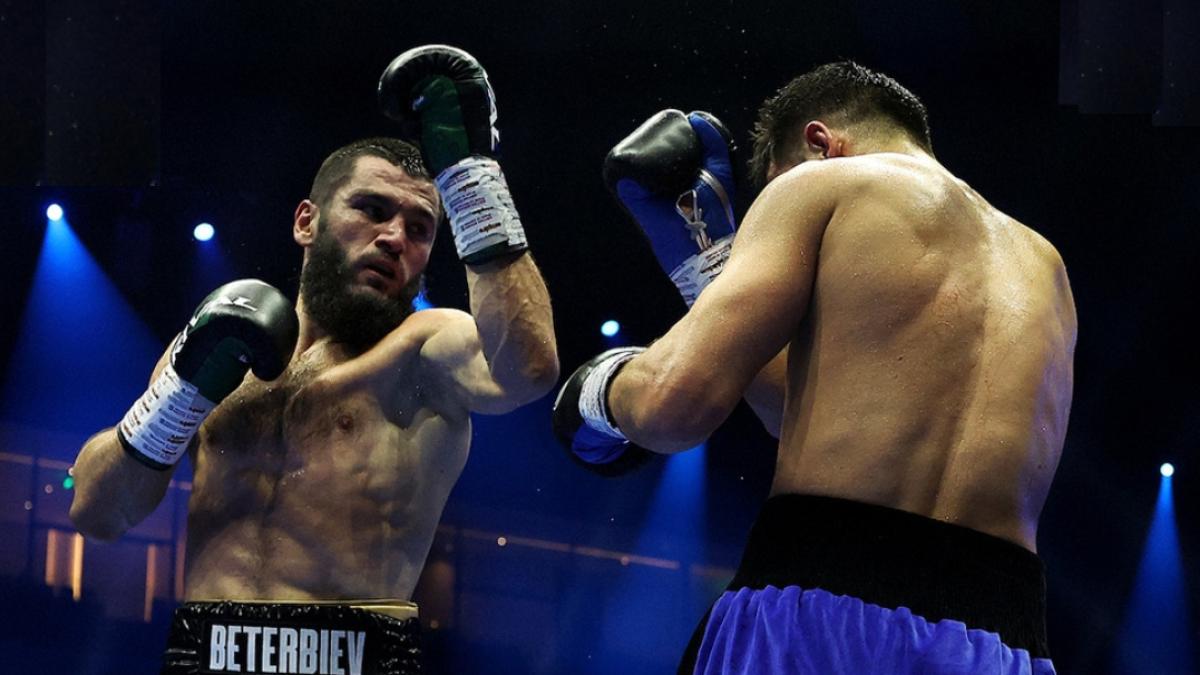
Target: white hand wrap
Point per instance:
(593, 395)
(697, 272)
(480, 208)
(162, 422)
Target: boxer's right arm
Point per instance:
(674, 176)
(122, 473)
(113, 492)
(679, 390)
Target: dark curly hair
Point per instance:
(843, 92)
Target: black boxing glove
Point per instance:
(583, 424)
(243, 325)
(441, 96)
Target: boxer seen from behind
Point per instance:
(317, 494)
(911, 347)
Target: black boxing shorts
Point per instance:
(314, 638)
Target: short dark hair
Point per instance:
(340, 163)
(845, 91)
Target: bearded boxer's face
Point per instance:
(333, 297)
(369, 248)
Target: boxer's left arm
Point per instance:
(675, 394)
(503, 354)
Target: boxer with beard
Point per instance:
(354, 319)
(320, 478)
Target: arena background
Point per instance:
(144, 118)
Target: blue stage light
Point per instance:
(610, 328)
(54, 212)
(1167, 469)
(1156, 635)
(203, 232)
(48, 371)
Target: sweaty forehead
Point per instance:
(379, 175)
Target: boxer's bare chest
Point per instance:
(318, 427)
(294, 477)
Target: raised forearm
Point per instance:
(113, 492)
(511, 307)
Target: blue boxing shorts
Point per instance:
(305, 638)
(830, 586)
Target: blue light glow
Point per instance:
(1167, 469)
(54, 212)
(51, 370)
(1156, 636)
(203, 232)
(674, 526)
(610, 328)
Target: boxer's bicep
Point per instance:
(769, 278)
(452, 362)
(750, 313)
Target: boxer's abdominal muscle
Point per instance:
(308, 489)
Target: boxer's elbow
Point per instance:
(535, 378)
(672, 418)
(94, 522)
(541, 373)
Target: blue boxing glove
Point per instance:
(583, 423)
(674, 176)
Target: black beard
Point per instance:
(357, 318)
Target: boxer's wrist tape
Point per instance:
(480, 207)
(158, 427)
(593, 394)
(697, 272)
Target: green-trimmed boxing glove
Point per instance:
(243, 325)
(441, 97)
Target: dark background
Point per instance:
(144, 118)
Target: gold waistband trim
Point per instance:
(397, 609)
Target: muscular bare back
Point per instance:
(327, 483)
(933, 371)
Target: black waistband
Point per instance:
(210, 637)
(895, 558)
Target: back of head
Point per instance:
(843, 94)
(338, 166)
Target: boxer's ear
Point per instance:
(820, 141)
(304, 223)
